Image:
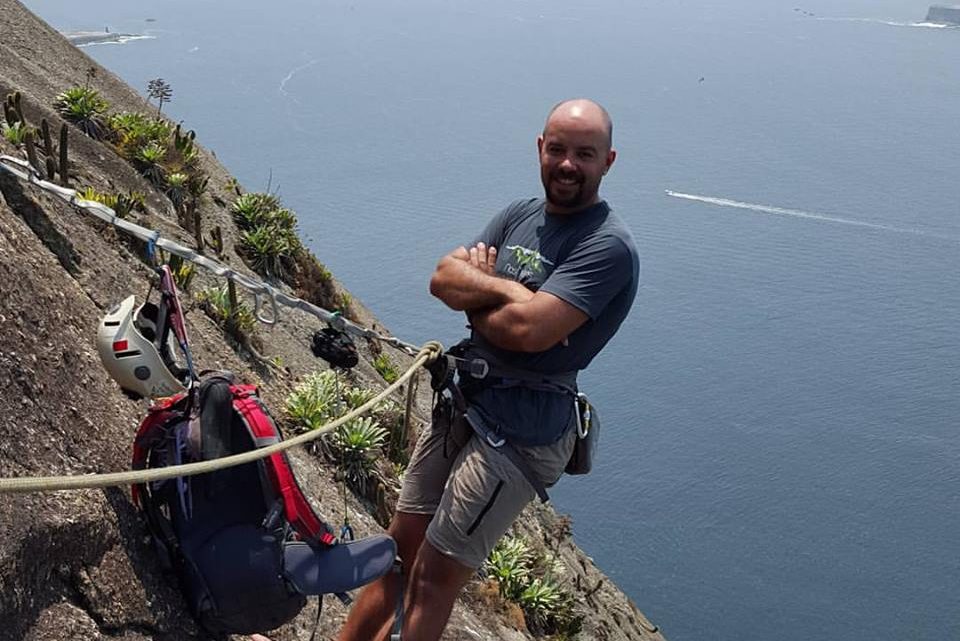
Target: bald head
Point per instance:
(584, 110)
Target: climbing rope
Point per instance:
(260, 290)
(427, 354)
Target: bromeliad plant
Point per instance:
(528, 579)
(85, 108)
(177, 188)
(133, 131)
(386, 368)
(149, 161)
(314, 402)
(509, 564)
(17, 133)
(358, 442)
(121, 204)
(215, 301)
(268, 234)
(356, 445)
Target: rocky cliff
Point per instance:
(77, 565)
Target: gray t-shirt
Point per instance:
(589, 260)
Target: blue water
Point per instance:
(780, 411)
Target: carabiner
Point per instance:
(266, 320)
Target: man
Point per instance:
(545, 287)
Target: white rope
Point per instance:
(258, 288)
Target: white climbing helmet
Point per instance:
(135, 356)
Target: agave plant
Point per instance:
(149, 159)
(85, 108)
(176, 188)
(16, 133)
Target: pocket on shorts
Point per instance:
(486, 508)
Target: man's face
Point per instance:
(574, 156)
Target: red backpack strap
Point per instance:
(297, 510)
(158, 416)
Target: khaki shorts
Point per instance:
(472, 489)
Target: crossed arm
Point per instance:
(504, 311)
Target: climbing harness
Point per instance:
(464, 364)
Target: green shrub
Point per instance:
(16, 133)
(85, 108)
(386, 368)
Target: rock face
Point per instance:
(77, 565)
(944, 14)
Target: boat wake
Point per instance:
(892, 23)
(118, 40)
(292, 73)
(808, 215)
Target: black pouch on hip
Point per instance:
(588, 435)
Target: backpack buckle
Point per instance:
(478, 368)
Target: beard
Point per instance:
(565, 195)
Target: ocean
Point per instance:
(779, 456)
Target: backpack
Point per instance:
(244, 542)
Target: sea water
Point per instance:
(780, 451)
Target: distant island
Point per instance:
(81, 38)
(944, 14)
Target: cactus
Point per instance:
(8, 113)
(216, 241)
(197, 229)
(64, 165)
(48, 151)
(31, 150)
(18, 107)
(13, 109)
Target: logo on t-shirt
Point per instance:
(527, 260)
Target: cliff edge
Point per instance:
(78, 565)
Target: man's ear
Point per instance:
(540, 144)
(611, 156)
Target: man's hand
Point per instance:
(465, 280)
(484, 258)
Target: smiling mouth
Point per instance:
(569, 181)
